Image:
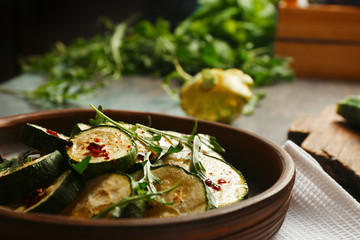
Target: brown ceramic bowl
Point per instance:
(269, 170)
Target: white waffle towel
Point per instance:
(320, 208)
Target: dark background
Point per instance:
(32, 26)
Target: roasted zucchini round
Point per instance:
(15, 183)
(110, 148)
(189, 197)
(54, 198)
(43, 139)
(99, 193)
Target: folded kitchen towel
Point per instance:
(320, 208)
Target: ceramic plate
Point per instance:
(268, 169)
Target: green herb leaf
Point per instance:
(22, 159)
(197, 168)
(219, 34)
(98, 117)
(149, 177)
(81, 166)
(5, 164)
(146, 196)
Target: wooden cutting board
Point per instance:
(333, 143)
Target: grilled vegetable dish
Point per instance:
(112, 169)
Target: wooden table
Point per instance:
(276, 112)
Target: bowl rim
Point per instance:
(286, 177)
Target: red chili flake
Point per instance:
(48, 131)
(221, 181)
(208, 182)
(97, 150)
(113, 161)
(34, 197)
(140, 156)
(129, 146)
(97, 140)
(216, 187)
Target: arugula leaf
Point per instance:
(98, 118)
(148, 196)
(116, 43)
(149, 177)
(81, 166)
(19, 161)
(154, 147)
(6, 163)
(195, 165)
(197, 168)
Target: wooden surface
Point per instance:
(334, 143)
(322, 40)
(319, 21)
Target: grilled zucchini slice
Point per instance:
(99, 193)
(189, 197)
(226, 183)
(110, 148)
(141, 133)
(54, 198)
(43, 139)
(15, 183)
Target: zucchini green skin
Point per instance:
(36, 174)
(43, 139)
(65, 188)
(349, 108)
(134, 210)
(221, 176)
(79, 127)
(245, 193)
(110, 165)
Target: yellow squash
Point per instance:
(216, 94)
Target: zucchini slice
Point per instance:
(110, 148)
(227, 184)
(79, 127)
(189, 197)
(15, 183)
(54, 198)
(99, 193)
(43, 139)
(349, 108)
(142, 148)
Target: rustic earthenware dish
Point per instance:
(269, 170)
